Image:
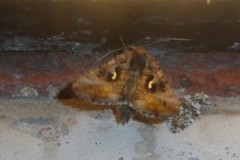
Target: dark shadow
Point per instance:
(67, 97)
(66, 92)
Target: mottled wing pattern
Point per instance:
(131, 79)
(154, 96)
(103, 84)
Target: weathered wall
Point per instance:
(43, 24)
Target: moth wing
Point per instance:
(154, 96)
(104, 84)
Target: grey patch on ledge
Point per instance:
(53, 90)
(47, 129)
(58, 42)
(28, 92)
(101, 115)
(146, 148)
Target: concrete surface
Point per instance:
(47, 129)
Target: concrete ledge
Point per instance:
(46, 129)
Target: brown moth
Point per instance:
(133, 82)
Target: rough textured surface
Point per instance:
(56, 40)
(67, 24)
(51, 130)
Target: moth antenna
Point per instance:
(167, 40)
(121, 39)
(115, 50)
(112, 51)
(147, 45)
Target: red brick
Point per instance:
(212, 73)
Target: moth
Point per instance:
(133, 82)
